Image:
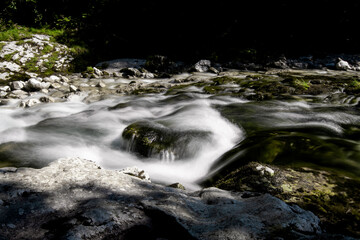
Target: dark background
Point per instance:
(221, 30)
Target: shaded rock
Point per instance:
(18, 94)
(151, 139)
(97, 71)
(213, 70)
(101, 84)
(74, 198)
(202, 65)
(72, 88)
(64, 79)
(131, 72)
(116, 74)
(55, 85)
(34, 84)
(47, 99)
(10, 66)
(29, 103)
(17, 85)
(335, 199)
(5, 89)
(148, 75)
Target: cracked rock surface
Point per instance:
(73, 198)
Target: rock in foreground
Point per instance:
(76, 199)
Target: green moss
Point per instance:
(90, 70)
(213, 89)
(336, 200)
(17, 33)
(8, 57)
(355, 84)
(47, 49)
(19, 77)
(2, 45)
(142, 91)
(225, 80)
(31, 65)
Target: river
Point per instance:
(285, 132)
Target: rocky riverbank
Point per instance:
(74, 198)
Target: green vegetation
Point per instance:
(1, 45)
(17, 33)
(31, 65)
(336, 200)
(355, 84)
(89, 69)
(47, 49)
(8, 57)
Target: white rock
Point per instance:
(4, 76)
(33, 84)
(29, 102)
(3, 94)
(17, 85)
(72, 88)
(47, 79)
(64, 79)
(41, 37)
(148, 75)
(97, 71)
(55, 85)
(101, 84)
(263, 169)
(342, 65)
(54, 78)
(45, 85)
(203, 65)
(19, 93)
(5, 89)
(44, 91)
(13, 67)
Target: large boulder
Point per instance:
(150, 139)
(131, 72)
(202, 65)
(74, 198)
(334, 199)
(36, 84)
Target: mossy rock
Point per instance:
(292, 149)
(16, 154)
(335, 199)
(151, 139)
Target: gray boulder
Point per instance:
(29, 103)
(17, 85)
(131, 72)
(35, 84)
(202, 65)
(74, 198)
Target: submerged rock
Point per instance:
(156, 140)
(74, 198)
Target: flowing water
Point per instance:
(38, 135)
